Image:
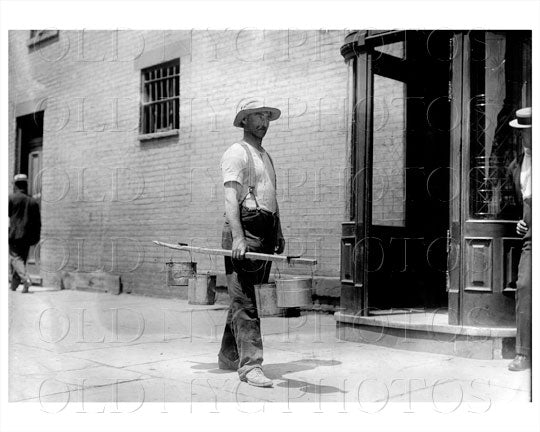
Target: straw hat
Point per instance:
(20, 177)
(523, 118)
(253, 105)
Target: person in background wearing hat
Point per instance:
(521, 169)
(24, 230)
(251, 224)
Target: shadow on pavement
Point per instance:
(311, 388)
(276, 371)
(210, 368)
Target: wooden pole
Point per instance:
(249, 255)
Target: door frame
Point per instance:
(354, 251)
(355, 245)
(458, 134)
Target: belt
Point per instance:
(260, 210)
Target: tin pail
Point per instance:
(294, 291)
(178, 273)
(202, 289)
(266, 298)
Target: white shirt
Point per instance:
(525, 176)
(234, 167)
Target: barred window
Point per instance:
(160, 107)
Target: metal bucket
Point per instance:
(179, 273)
(266, 298)
(294, 291)
(202, 289)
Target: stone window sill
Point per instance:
(157, 135)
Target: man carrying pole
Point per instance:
(251, 224)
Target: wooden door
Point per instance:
(494, 80)
(34, 174)
(34, 190)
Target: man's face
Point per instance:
(257, 123)
(526, 138)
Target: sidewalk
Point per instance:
(93, 347)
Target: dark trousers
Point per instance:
(524, 300)
(18, 255)
(242, 339)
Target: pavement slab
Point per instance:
(74, 321)
(148, 353)
(130, 396)
(25, 360)
(37, 385)
(447, 395)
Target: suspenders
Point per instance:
(251, 179)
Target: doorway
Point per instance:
(400, 165)
(410, 176)
(28, 161)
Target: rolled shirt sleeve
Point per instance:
(233, 164)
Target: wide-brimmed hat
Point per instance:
(20, 177)
(523, 118)
(253, 105)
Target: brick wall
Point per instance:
(106, 195)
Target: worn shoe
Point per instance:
(25, 287)
(226, 364)
(520, 363)
(255, 377)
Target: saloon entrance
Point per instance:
(28, 161)
(432, 215)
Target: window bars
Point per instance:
(160, 107)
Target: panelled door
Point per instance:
(491, 79)
(34, 170)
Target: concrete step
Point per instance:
(426, 331)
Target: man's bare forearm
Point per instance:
(232, 211)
